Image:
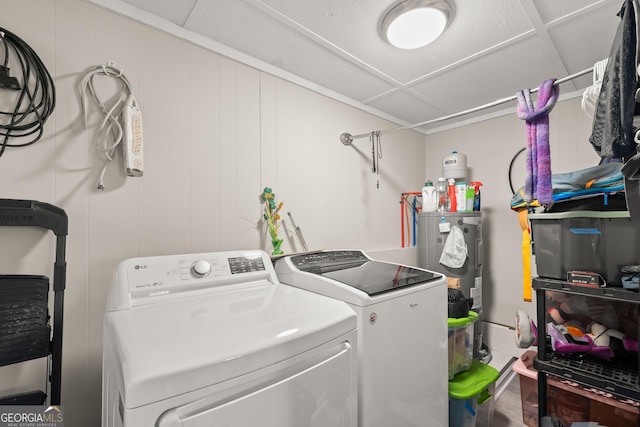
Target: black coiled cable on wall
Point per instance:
(33, 102)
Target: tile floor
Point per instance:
(508, 407)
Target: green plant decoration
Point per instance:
(272, 215)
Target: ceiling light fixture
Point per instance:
(415, 23)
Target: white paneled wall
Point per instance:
(216, 132)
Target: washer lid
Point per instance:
(175, 347)
(355, 269)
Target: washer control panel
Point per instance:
(314, 260)
(138, 279)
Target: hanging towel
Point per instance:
(538, 179)
(454, 253)
(613, 127)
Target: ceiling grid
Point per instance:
(491, 49)
(549, 46)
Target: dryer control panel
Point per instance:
(147, 280)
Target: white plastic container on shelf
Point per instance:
(429, 197)
(454, 166)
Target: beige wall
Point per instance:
(216, 132)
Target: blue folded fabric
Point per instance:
(630, 281)
(605, 178)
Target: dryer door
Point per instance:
(314, 389)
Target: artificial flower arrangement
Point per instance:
(272, 215)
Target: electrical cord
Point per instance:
(35, 100)
(513, 160)
(111, 127)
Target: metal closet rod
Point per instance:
(347, 138)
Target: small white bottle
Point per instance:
(429, 197)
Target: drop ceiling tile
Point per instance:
(407, 106)
(495, 76)
(584, 40)
(551, 10)
(266, 39)
(353, 28)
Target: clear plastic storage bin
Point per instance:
(461, 343)
(468, 391)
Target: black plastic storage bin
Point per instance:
(590, 241)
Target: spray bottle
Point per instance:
(453, 204)
(476, 194)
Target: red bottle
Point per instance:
(452, 196)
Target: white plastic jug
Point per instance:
(429, 197)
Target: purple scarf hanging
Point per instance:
(538, 181)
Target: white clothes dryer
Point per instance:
(402, 332)
(214, 339)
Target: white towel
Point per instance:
(454, 253)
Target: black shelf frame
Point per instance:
(32, 213)
(584, 370)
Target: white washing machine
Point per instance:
(402, 332)
(214, 339)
